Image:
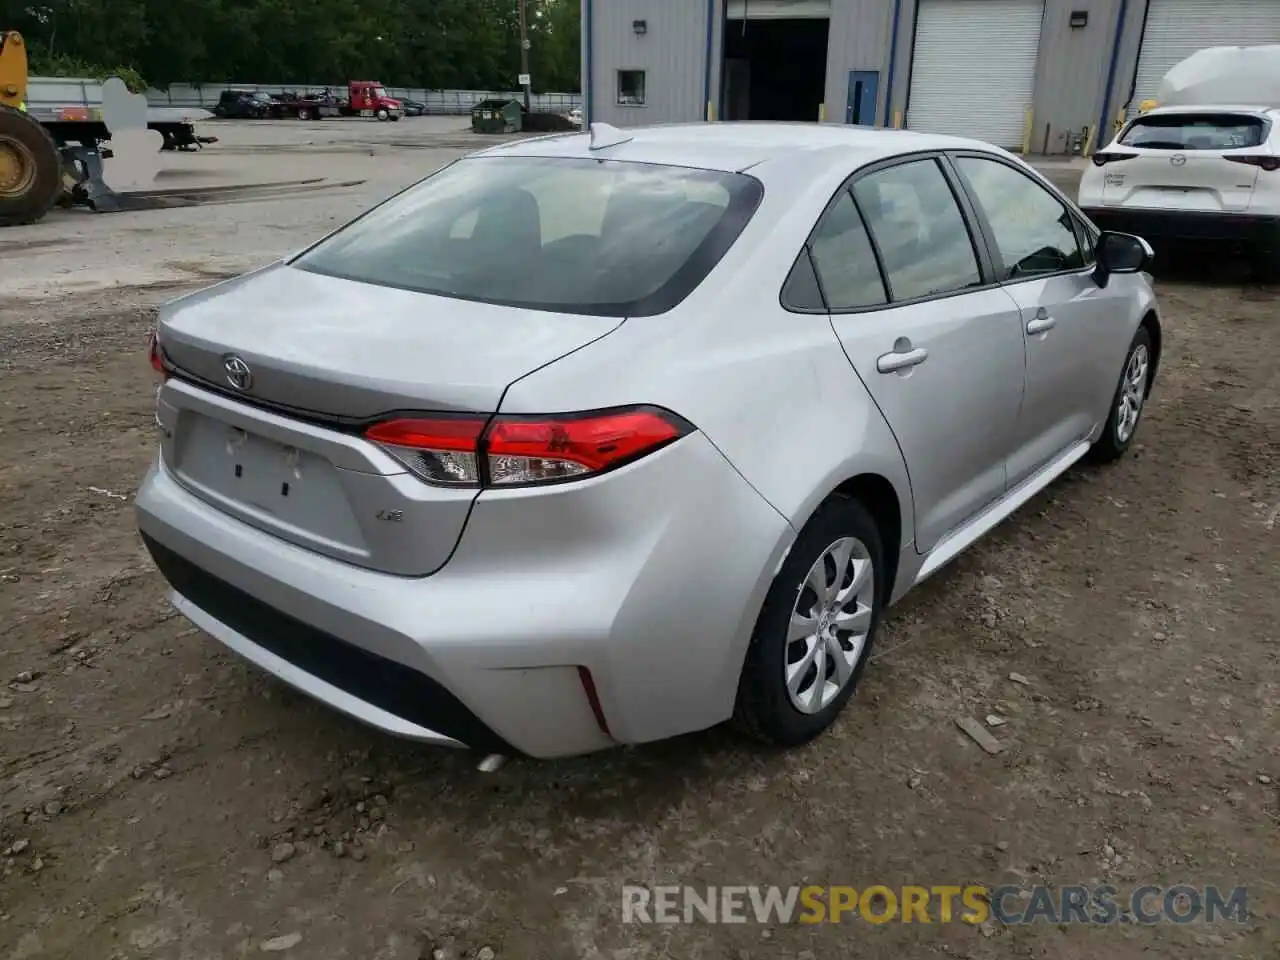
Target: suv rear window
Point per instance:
(607, 238)
(1195, 131)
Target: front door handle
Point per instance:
(1042, 323)
(901, 360)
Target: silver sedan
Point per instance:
(601, 438)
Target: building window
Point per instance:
(631, 88)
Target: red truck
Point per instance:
(368, 98)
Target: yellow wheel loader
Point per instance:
(30, 160)
(53, 154)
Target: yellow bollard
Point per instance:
(1026, 132)
(897, 119)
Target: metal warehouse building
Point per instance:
(1037, 75)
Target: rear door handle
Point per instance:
(1042, 323)
(901, 360)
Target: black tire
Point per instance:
(383, 115)
(1111, 446)
(39, 163)
(304, 114)
(764, 709)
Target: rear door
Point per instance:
(938, 349)
(1186, 161)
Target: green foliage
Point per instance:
(62, 65)
(467, 44)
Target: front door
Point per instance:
(861, 105)
(943, 360)
(1069, 322)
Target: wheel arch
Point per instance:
(883, 501)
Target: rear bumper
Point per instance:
(650, 577)
(1189, 225)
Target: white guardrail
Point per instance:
(60, 91)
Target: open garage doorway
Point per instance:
(775, 59)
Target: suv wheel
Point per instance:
(815, 630)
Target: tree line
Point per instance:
(436, 44)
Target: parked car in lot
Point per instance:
(1198, 173)
(413, 108)
(603, 438)
(243, 105)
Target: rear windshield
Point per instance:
(574, 236)
(1195, 131)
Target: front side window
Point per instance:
(844, 260)
(919, 230)
(574, 236)
(1195, 131)
(631, 88)
(1033, 231)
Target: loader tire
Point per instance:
(30, 169)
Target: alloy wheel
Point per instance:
(1133, 393)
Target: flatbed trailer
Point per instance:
(286, 107)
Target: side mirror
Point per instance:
(1120, 253)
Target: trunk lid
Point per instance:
(1180, 180)
(285, 453)
(348, 350)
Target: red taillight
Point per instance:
(538, 449)
(438, 449)
(1256, 160)
(157, 356)
(519, 450)
(1102, 159)
(593, 699)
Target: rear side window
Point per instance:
(1195, 131)
(919, 230)
(574, 236)
(844, 259)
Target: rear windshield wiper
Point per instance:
(1158, 145)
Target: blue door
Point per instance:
(863, 87)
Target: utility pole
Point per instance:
(525, 79)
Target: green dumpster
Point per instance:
(496, 116)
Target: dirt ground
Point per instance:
(161, 799)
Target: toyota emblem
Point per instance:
(238, 373)
(1178, 159)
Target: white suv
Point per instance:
(1192, 173)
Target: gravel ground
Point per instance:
(160, 798)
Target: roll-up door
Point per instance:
(973, 70)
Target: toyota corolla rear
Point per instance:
(341, 497)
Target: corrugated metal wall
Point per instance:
(859, 40)
(672, 52)
(1073, 64)
(1072, 71)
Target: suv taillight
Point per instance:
(518, 450)
(1256, 160)
(1102, 159)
